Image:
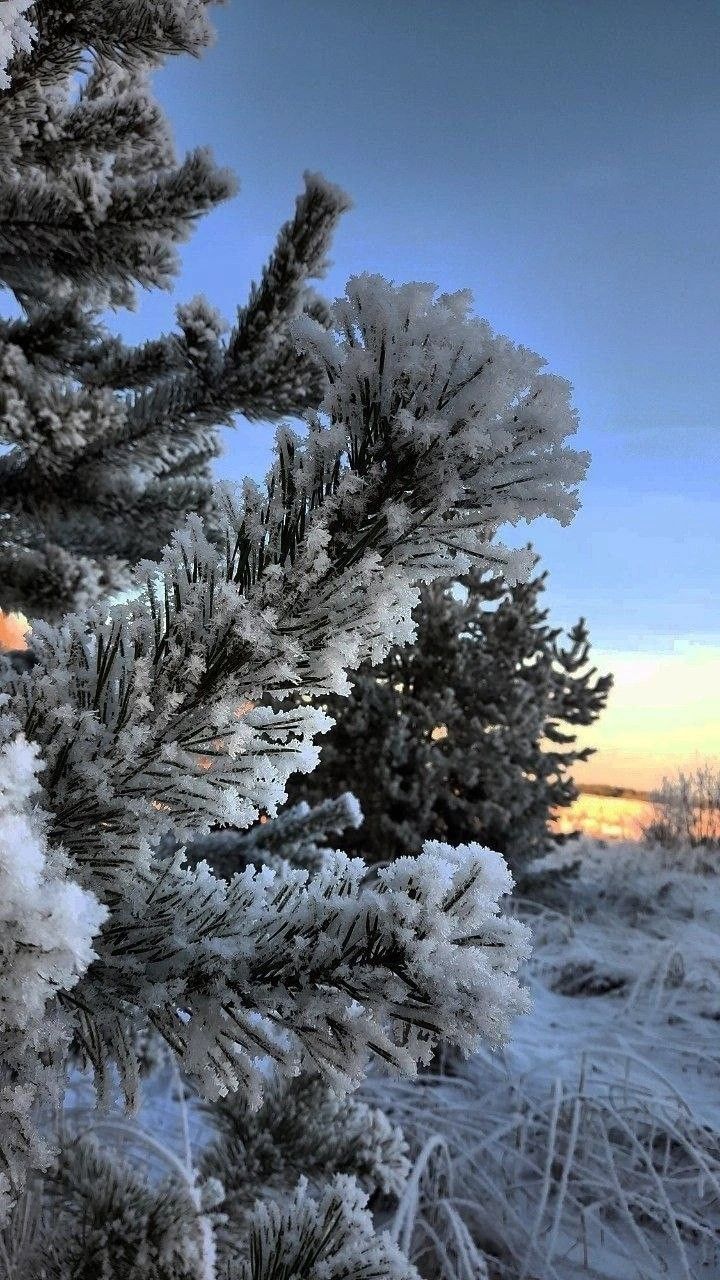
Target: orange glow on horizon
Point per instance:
(14, 630)
(604, 817)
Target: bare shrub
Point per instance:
(686, 810)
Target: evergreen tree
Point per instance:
(108, 446)
(143, 725)
(523, 705)
(469, 733)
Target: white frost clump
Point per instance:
(486, 425)
(327, 1239)
(41, 914)
(16, 34)
(466, 952)
(47, 924)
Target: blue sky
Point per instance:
(557, 157)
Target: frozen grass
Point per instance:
(592, 1148)
(605, 1174)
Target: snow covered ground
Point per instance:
(591, 1147)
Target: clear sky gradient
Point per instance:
(559, 158)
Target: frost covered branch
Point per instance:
(325, 1239)
(136, 727)
(47, 927)
(299, 835)
(17, 33)
(77, 449)
(169, 713)
(315, 971)
(302, 1125)
(109, 445)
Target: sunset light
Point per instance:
(663, 714)
(14, 629)
(604, 817)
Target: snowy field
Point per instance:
(591, 1148)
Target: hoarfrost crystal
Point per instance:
(17, 33)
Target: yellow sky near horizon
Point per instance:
(663, 714)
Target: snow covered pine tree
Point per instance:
(468, 733)
(170, 714)
(93, 201)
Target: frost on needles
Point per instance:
(47, 927)
(153, 722)
(108, 445)
(16, 33)
(168, 712)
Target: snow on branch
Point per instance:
(419, 380)
(95, 479)
(302, 1124)
(17, 33)
(317, 971)
(166, 713)
(47, 927)
(330, 1238)
(299, 835)
(125, 31)
(171, 712)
